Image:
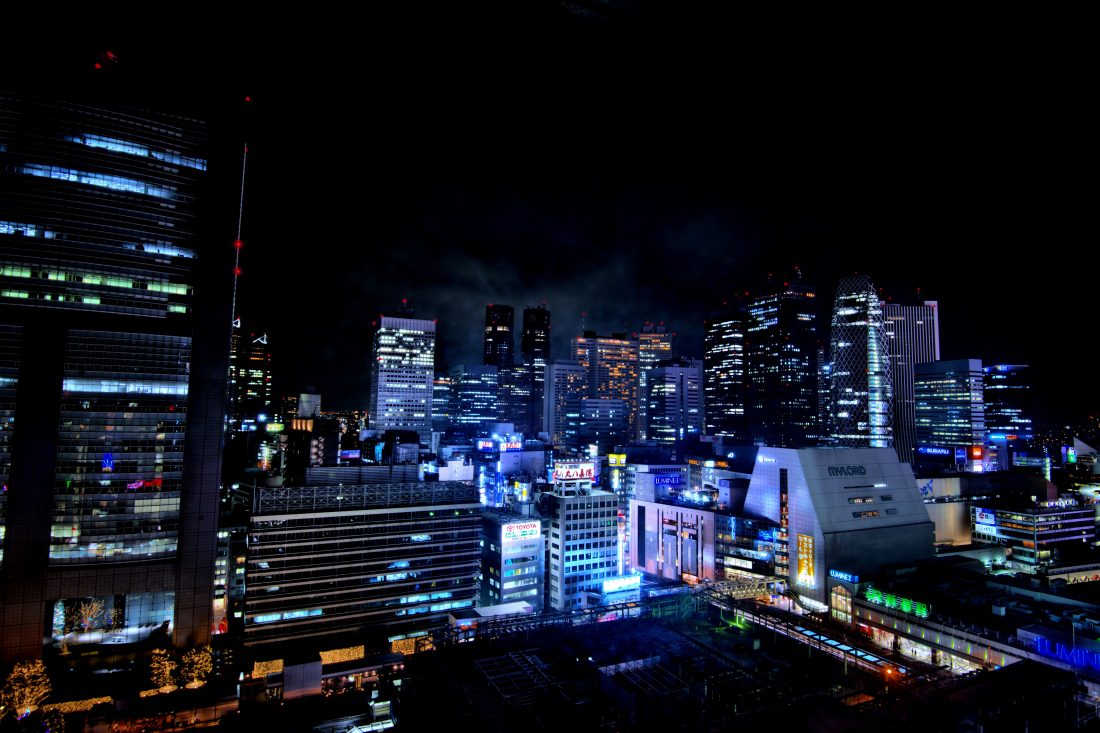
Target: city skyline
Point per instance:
(653, 202)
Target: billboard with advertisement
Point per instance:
(672, 479)
(616, 459)
(520, 531)
(574, 471)
(806, 576)
(484, 445)
(984, 516)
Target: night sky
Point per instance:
(632, 164)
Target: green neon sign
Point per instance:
(889, 600)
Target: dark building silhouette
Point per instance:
(114, 336)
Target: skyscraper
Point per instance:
(499, 344)
(654, 346)
(114, 352)
(724, 381)
(531, 383)
(1008, 406)
(913, 332)
(781, 344)
(612, 368)
(402, 369)
(860, 379)
(949, 403)
(474, 391)
(675, 400)
(566, 386)
(250, 374)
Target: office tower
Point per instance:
(603, 423)
(675, 400)
(529, 381)
(724, 379)
(949, 404)
(781, 346)
(401, 375)
(1008, 400)
(654, 346)
(441, 403)
(250, 375)
(566, 385)
(860, 378)
(473, 399)
(513, 566)
(114, 340)
(389, 559)
(612, 366)
(499, 345)
(583, 535)
(913, 332)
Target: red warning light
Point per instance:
(236, 271)
(247, 98)
(237, 244)
(98, 65)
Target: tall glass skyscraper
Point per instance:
(860, 380)
(114, 336)
(724, 374)
(950, 407)
(913, 332)
(654, 345)
(530, 379)
(612, 366)
(401, 377)
(782, 365)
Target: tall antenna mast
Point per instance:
(237, 243)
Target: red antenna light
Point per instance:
(247, 98)
(237, 244)
(98, 65)
(237, 271)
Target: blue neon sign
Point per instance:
(841, 575)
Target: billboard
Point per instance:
(982, 516)
(806, 577)
(574, 471)
(485, 445)
(519, 531)
(667, 480)
(351, 455)
(622, 582)
(507, 445)
(616, 459)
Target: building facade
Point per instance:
(386, 560)
(612, 368)
(860, 379)
(913, 332)
(566, 386)
(402, 370)
(724, 378)
(250, 375)
(474, 394)
(114, 340)
(512, 559)
(782, 365)
(950, 410)
(654, 346)
(674, 400)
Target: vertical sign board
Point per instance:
(806, 561)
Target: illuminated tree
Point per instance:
(88, 612)
(162, 668)
(26, 686)
(197, 664)
(116, 618)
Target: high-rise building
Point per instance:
(402, 370)
(583, 536)
(860, 379)
(654, 346)
(949, 404)
(114, 340)
(250, 375)
(499, 345)
(675, 400)
(528, 378)
(913, 332)
(441, 403)
(612, 366)
(602, 423)
(781, 345)
(1008, 400)
(566, 385)
(473, 399)
(724, 383)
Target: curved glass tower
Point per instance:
(860, 381)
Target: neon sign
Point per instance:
(521, 531)
(574, 471)
(889, 600)
(841, 575)
(1072, 655)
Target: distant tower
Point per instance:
(402, 371)
(675, 400)
(531, 379)
(654, 345)
(781, 341)
(950, 406)
(914, 335)
(499, 342)
(860, 381)
(566, 386)
(612, 365)
(724, 380)
(250, 374)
